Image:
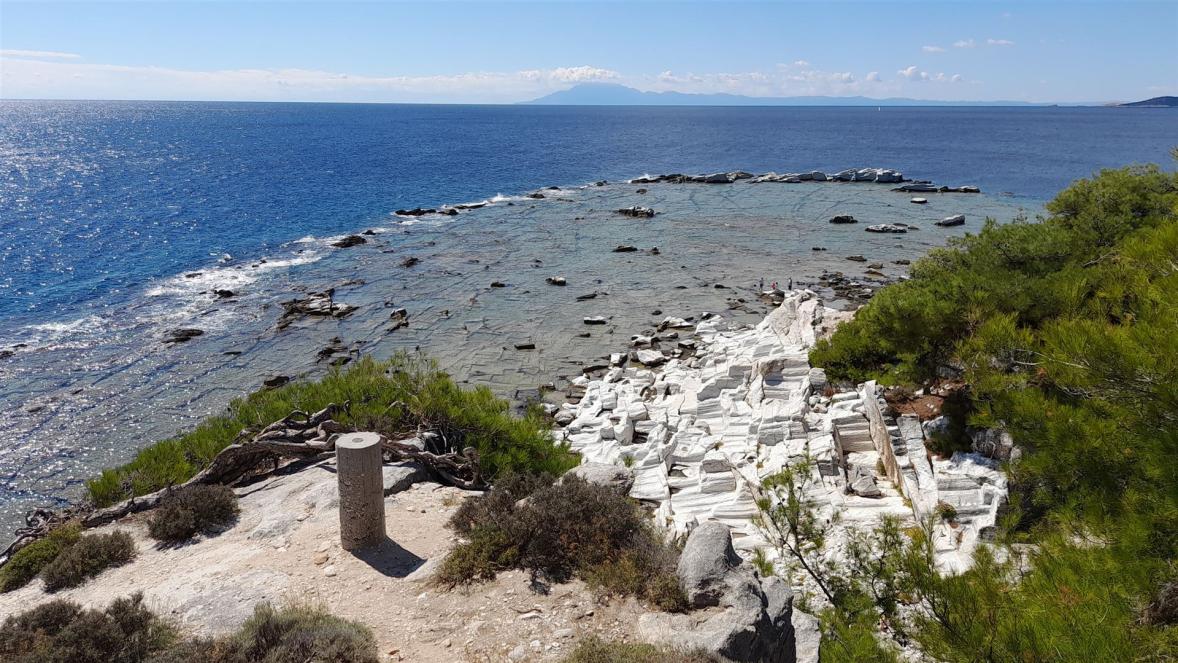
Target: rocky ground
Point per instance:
(285, 547)
(693, 416)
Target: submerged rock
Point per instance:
(398, 318)
(916, 187)
(182, 335)
(625, 248)
(636, 211)
(843, 218)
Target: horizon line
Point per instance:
(922, 103)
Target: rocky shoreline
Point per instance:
(425, 283)
(700, 423)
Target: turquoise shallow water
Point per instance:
(109, 385)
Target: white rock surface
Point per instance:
(700, 433)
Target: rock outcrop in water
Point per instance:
(876, 175)
(349, 241)
(637, 211)
(887, 228)
(315, 304)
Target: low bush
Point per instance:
(429, 400)
(558, 531)
(295, 633)
(90, 555)
(596, 650)
(63, 632)
(195, 509)
(27, 562)
(127, 632)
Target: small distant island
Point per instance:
(1156, 102)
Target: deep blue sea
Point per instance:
(98, 198)
(119, 220)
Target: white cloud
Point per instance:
(38, 55)
(63, 78)
(582, 74)
(798, 78)
(913, 73)
(58, 78)
(932, 49)
(964, 43)
(999, 42)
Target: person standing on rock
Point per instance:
(791, 284)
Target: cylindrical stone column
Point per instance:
(361, 490)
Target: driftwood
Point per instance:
(456, 469)
(299, 435)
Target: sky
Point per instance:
(436, 51)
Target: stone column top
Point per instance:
(357, 440)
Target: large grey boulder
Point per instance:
(807, 637)
(864, 485)
(994, 443)
(739, 616)
(621, 479)
(751, 624)
(706, 560)
(818, 381)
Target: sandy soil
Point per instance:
(285, 548)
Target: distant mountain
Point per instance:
(1156, 102)
(610, 94)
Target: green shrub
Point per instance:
(946, 511)
(431, 400)
(1064, 332)
(559, 531)
(91, 555)
(193, 509)
(291, 634)
(63, 632)
(27, 562)
(596, 650)
(127, 632)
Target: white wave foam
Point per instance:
(228, 277)
(50, 335)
